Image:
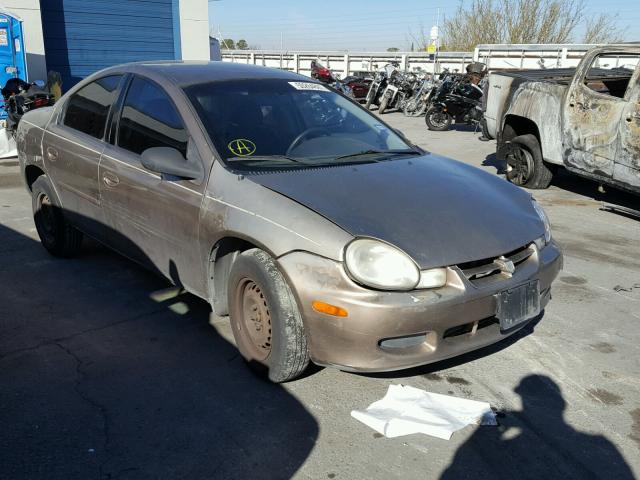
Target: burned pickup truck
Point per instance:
(585, 119)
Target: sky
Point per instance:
(357, 25)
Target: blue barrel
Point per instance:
(12, 57)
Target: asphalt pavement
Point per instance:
(107, 372)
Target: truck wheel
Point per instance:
(56, 234)
(437, 119)
(525, 166)
(265, 319)
(383, 104)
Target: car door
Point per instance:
(153, 218)
(73, 143)
(592, 112)
(627, 165)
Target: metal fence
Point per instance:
(496, 56)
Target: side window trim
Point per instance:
(130, 80)
(116, 110)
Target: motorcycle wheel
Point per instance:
(370, 97)
(437, 120)
(409, 108)
(413, 109)
(383, 105)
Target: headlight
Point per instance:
(379, 265)
(545, 221)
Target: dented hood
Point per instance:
(439, 211)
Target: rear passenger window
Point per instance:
(149, 119)
(87, 109)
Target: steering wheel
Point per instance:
(309, 132)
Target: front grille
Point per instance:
(468, 327)
(494, 268)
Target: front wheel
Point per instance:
(525, 166)
(371, 95)
(384, 103)
(265, 318)
(437, 119)
(411, 108)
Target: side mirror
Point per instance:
(168, 161)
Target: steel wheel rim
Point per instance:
(255, 323)
(46, 218)
(520, 161)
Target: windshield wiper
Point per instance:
(379, 152)
(274, 158)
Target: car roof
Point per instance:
(185, 73)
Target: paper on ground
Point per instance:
(405, 410)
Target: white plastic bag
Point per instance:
(405, 410)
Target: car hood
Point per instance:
(439, 211)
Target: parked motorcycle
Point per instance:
(399, 89)
(457, 98)
(379, 84)
(417, 104)
(21, 97)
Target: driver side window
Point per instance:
(150, 119)
(610, 74)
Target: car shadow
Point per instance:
(107, 371)
(536, 442)
(588, 188)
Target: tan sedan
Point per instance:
(322, 232)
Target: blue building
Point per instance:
(79, 37)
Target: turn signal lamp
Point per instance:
(329, 309)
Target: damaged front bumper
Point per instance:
(394, 330)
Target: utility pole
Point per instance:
(281, 47)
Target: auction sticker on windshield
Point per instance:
(242, 147)
(308, 86)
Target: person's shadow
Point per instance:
(537, 443)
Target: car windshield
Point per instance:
(266, 124)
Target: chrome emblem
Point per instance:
(505, 265)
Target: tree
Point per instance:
(393, 49)
(242, 45)
(599, 30)
(228, 44)
(522, 21)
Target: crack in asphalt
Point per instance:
(54, 341)
(81, 377)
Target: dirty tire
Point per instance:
(383, 105)
(437, 120)
(528, 169)
(265, 319)
(56, 234)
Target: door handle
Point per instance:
(110, 180)
(52, 154)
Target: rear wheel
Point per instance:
(525, 166)
(437, 119)
(56, 234)
(265, 319)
